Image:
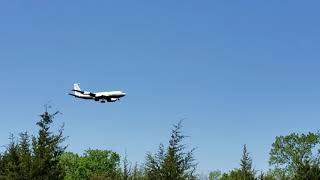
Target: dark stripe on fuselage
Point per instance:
(116, 96)
(81, 96)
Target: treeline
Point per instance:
(43, 157)
(292, 157)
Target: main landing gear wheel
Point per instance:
(102, 101)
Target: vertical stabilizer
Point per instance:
(76, 86)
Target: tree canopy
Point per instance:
(43, 157)
(37, 160)
(294, 151)
(174, 163)
(93, 164)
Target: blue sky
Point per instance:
(238, 72)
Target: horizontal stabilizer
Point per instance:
(72, 95)
(77, 90)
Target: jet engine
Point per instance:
(114, 99)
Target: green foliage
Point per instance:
(103, 162)
(307, 172)
(42, 157)
(16, 160)
(137, 173)
(25, 155)
(46, 150)
(268, 177)
(232, 175)
(174, 163)
(73, 166)
(39, 160)
(126, 168)
(293, 152)
(277, 174)
(154, 164)
(12, 162)
(2, 166)
(94, 164)
(247, 172)
(215, 175)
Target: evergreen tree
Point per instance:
(24, 152)
(126, 169)
(307, 172)
(11, 161)
(47, 149)
(174, 163)
(1, 167)
(154, 164)
(138, 173)
(135, 172)
(232, 175)
(16, 161)
(247, 173)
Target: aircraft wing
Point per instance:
(107, 98)
(85, 92)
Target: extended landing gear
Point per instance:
(102, 101)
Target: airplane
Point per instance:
(111, 96)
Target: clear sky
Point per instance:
(240, 72)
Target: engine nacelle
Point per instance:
(114, 99)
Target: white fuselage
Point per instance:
(110, 96)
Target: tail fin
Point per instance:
(76, 86)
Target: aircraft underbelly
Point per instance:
(86, 97)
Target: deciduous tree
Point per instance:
(94, 164)
(294, 152)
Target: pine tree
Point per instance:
(174, 163)
(138, 173)
(154, 164)
(24, 152)
(126, 168)
(308, 171)
(1, 167)
(12, 161)
(247, 173)
(47, 149)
